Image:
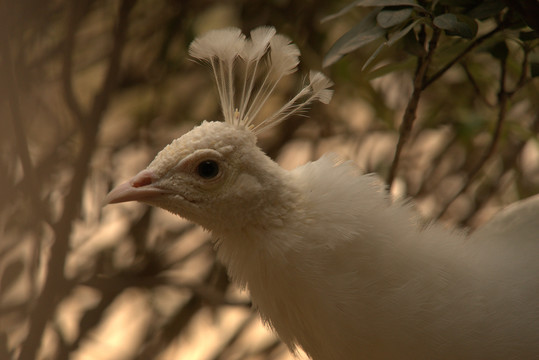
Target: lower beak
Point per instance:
(140, 188)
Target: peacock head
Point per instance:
(215, 174)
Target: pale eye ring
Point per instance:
(208, 169)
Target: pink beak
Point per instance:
(141, 187)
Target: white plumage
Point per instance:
(332, 265)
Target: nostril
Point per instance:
(142, 179)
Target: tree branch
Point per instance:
(21, 144)
(75, 16)
(181, 319)
(457, 58)
(523, 78)
(475, 86)
(498, 187)
(411, 109)
(503, 97)
(55, 282)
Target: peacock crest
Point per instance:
(248, 70)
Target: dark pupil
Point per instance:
(208, 169)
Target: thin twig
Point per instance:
(457, 58)
(523, 78)
(503, 97)
(478, 91)
(42, 167)
(421, 82)
(411, 109)
(431, 177)
(510, 164)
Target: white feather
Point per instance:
(284, 56)
(220, 48)
(347, 275)
(283, 60)
(255, 49)
(315, 90)
(223, 44)
(320, 84)
(265, 59)
(258, 44)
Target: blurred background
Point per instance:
(91, 90)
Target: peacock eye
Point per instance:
(208, 169)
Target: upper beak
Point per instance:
(141, 187)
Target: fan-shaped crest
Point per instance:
(259, 63)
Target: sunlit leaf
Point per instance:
(361, 34)
(457, 24)
(388, 17)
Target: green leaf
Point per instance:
(374, 55)
(363, 33)
(408, 64)
(389, 17)
(376, 3)
(341, 12)
(486, 9)
(393, 38)
(457, 24)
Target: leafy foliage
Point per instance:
(394, 20)
(442, 35)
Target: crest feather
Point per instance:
(257, 45)
(247, 72)
(224, 44)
